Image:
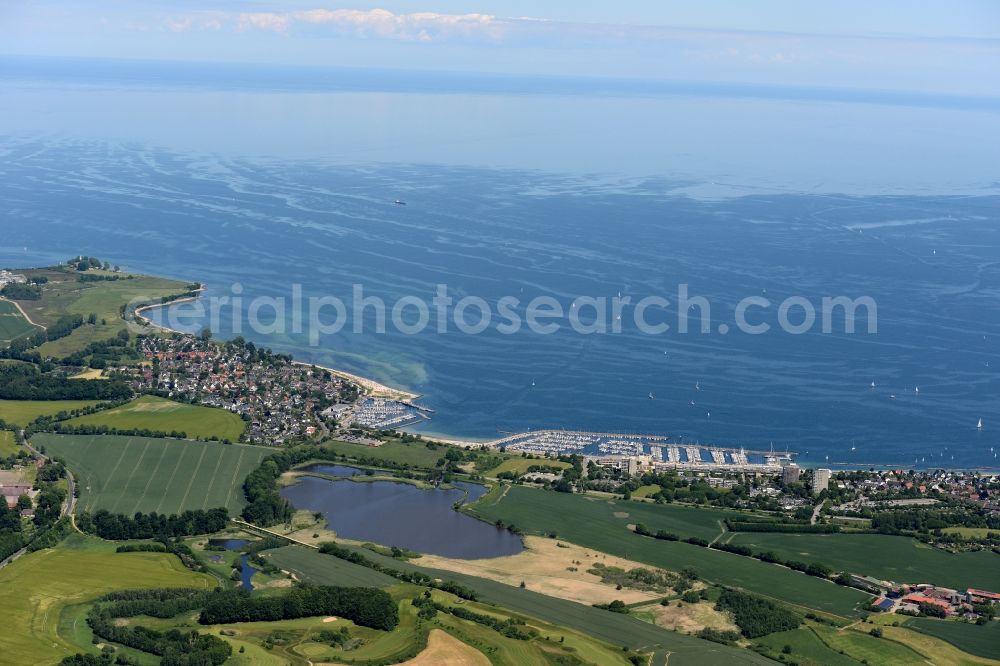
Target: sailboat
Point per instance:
(697, 386)
(916, 389)
(873, 383)
(979, 426)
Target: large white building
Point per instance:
(821, 481)
(6, 277)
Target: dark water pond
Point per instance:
(398, 514)
(246, 569)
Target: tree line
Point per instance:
(118, 527)
(24, 382)
(365, 606)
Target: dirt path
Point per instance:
(23, 313)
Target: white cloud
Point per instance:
(380, 23)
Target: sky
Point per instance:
(916, 46)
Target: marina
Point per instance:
(636, 452)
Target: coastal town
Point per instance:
(279, 400)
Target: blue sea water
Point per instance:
(524, 194)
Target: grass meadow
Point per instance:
(613, 628)
(23, 412)
(155, 413)
(64, 295)
(130, 474)
(13, 325)
(602, 524)
(37, 588)
(8, 445)
(413, 454)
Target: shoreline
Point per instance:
(379, 390)
(376, 389)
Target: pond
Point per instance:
(246, 569)
(400, 514)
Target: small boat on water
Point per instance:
(979, 426)
(399, 202)
(651, 396)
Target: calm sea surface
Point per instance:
(523, 194)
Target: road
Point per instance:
(67, 508)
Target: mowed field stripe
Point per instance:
(211, 481)
(85, 476)
(128, 481)
(170, 481)
(197, 466)
(232, 481)
(149, 481)
(114, 469)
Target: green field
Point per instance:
(13, 325)
(866, 648)
(35, 589)
(900, 559)
(8, 445)
(982, 641)
(326, 570)
(613, 628)
(129, 474)
(807, 648)
(155, 413)
(64, 295)
(592, 522)
(414, 454)
(23, 412)
(521, 465)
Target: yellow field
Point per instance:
(445, 650)
(91, 373)
(35, 589)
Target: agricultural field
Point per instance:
(614, 628)
(149, 412)
(413, 454)
(981, 641)
(23, 412)
(36, 589)
(309, 567)
(900, 559)
(603, 525)
(130, 474)
(8, 445)
(13, 325)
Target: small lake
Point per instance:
(246, 569)
(399, 514)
